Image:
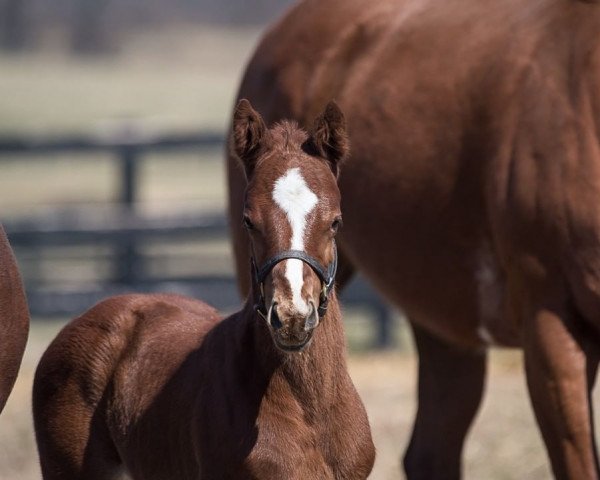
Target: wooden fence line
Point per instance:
(125, 228)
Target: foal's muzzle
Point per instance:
(326, 276)
(292, 332)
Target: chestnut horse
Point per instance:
(472, 196)
(14, 319)
(159, 387)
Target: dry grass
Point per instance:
(504, 443)
(18, 458)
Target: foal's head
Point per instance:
(291, 213)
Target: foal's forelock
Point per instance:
(297, 200)
(289, 136)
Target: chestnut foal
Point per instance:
(159, 387)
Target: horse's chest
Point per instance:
(286, 445)
(300, 461)
(266, 452)
(310, 450)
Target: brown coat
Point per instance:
(471, 195)
(14, 319)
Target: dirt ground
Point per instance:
(504, 443)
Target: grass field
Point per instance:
(187, 79)
(179, 78)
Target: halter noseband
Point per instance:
(327, 276)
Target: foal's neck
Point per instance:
(312, 375)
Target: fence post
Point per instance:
(384, 322)
(128, 258)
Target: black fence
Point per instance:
(117, 237)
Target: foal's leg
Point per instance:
(561, 369)
(74, 445)
(72, 437)
(450, 389)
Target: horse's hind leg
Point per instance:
(72, 438)
(450, 389)
(561, 365)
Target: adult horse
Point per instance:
(162, 388)
(14, 319)
(472, 197)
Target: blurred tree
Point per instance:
(14, 31)
(90, 33)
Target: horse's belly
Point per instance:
(456, 291)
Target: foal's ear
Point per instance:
(249, 130)
(329, 137)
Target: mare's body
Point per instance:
(471, 199)
(14, 319)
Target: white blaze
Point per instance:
(297, 200)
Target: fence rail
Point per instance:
(125, 138)
(125, 230)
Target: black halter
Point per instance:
(327, 276)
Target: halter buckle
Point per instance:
(324, 291)
(258, 309)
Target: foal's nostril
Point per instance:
(313, 318)
(274, 318)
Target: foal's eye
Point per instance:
(337, 223)
(247, 223)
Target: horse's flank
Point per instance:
(14, 319)
(401, 68)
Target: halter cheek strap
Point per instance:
(326, 275)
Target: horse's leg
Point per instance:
(451, 384)
(561, 367)
(73, 444)
(592, 370)
(72, 437)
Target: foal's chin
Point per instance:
(295, 345)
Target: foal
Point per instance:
(159, 387)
